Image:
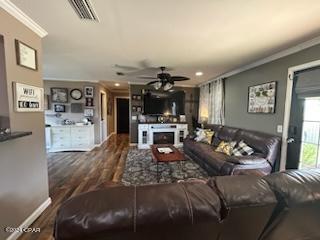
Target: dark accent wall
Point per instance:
(191, 106)
(236, 91)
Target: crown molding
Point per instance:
(284, 53)
(69, 80)
(16, 12)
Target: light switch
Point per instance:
(279, 129)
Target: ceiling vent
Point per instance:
(84, 9)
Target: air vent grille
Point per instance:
(84, 9)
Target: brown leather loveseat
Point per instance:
(282, 206)
(266, 146)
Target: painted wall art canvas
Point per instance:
(59, 95)
(262, 98)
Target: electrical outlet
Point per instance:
(279, 129)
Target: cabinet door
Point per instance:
(81, 137)
(60, 137)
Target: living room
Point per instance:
(159, 120)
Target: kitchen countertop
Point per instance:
(13, 135)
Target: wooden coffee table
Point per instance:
(175, 156)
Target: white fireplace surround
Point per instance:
(145, 133)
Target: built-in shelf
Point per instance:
(13, 135)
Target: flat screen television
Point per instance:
(160, 102)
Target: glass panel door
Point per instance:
(310, 143)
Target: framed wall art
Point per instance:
(89, 102)
(28, 98)
(262, 98)
(89, 91)
(76, 107)
(59, 108)
(26, 55)
(88, 112)
(59, 95)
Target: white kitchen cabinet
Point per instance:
(72, 138)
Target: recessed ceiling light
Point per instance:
(199, 73)
(117, 84)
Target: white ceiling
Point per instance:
(213, 36)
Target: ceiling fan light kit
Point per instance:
(167, 86)
(164, 80)
(157, 85)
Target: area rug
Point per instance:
(140, 169)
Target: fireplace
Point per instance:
(163, 138)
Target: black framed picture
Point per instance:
(262, 98)
(59, 95)
(89, 102)
(89, 91)
(59, 108)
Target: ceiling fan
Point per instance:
(164, 80)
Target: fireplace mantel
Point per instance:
(146, 133)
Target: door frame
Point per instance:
(115, 112)
(287, 108)
(104, 117)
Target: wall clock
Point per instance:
(76, 94)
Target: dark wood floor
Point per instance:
(71, 173)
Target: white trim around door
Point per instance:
(287, 109)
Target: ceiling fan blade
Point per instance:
(179, 78)
(146, 77)
(153, 82)
(127, 68)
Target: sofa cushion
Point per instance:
(247, 160)
(227, 134)
(206, 153)
(305, 182)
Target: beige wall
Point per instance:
(23, 165)
(4, 105)
(48, 84)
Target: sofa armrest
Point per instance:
(247, 160)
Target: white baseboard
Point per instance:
(100, 144)
(26, 223)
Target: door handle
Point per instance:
(290, 140)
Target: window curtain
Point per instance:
(211, 102)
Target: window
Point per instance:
(310, 143)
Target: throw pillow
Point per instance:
(226, 147)
(242, 149)
(204, 135)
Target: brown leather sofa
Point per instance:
(278, 206)
(267, 152)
